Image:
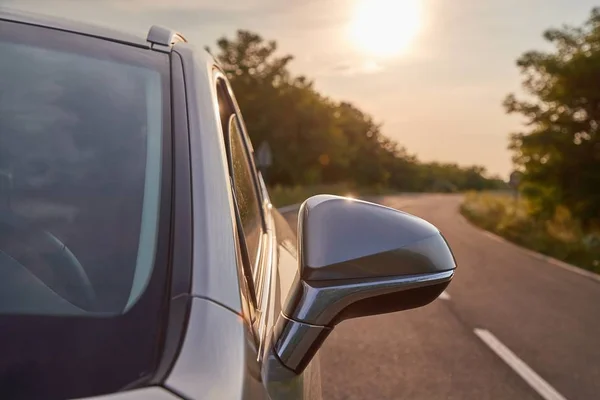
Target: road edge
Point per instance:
(550, 260)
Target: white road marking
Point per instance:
(444, 296)
(538, 384)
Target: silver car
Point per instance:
(140, 255)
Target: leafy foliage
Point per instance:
(316, 140)
(560, 236)
(559, 149)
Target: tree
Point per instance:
(559, 149)
(315, 139)
(295, 119)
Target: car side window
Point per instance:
(245, 191)
(242, 176)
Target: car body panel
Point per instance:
(216, 360)
(215, 274)
(282, 383)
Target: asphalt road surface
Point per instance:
(510, 326)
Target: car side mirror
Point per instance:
(356, 259)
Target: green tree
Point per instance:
(315, 139)
(559, 150)
(286, 111)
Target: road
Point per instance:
(546, 316)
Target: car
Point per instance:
(140, 254)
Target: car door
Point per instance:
(268, 251)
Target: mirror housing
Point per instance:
(356, 259)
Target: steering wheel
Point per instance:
(49, 259)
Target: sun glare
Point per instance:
(385, 27)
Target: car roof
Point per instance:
(73, 27)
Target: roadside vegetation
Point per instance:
(560, 236)
(286, 195)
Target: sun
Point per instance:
(385, 27)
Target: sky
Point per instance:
(433, 72)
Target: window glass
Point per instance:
(245, 192)
(80, 172)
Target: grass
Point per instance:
(560, 237)
(286, 195)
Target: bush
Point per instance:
(286, 195)
(560, 236)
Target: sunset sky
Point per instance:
(434, 72)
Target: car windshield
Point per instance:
(83, 200)
(80, 142)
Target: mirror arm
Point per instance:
(319, 303)
(315, 310)
(297, 342)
